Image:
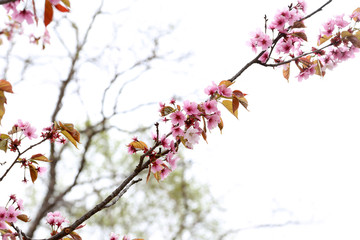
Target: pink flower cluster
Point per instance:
(114, 236)
(52, 134)
(27, 131)
(282, 22)
(189, 123)
(55, 220)
(10, 214)
(344, 39)
(19, 15)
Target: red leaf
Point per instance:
(48, 12)
(61, 8)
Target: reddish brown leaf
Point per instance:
(75, 236)
(221, 125)
(48, 12)
(5, 86)
(286, 71)
(2, 104)
(33, 172)
(23, 217)
(301, 35)
(235, 104)
(227, 83)
(61, 8)
(354, 40)
(299, 25)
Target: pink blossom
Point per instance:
(264, 41)
(210, 106)
(172, 160)
(212, 89)
(355, 15)
(114, 236)
(30, 132)
(11, 6)
(23, 15)
(20, 204)
(278, 23)
(126, 238)
(41, 170)
(178, 118)
(213, 121)
(2, 213)
(177, 131)
(329, 27)
(164, 173)
(191, 108)
(284, 46)
(264, 57)
(302, 5)
(224, 91)
(340, 22)
(306, 73)
(192, 136)
(55, 219)
(157, 166)
(3, 225)
(11, 214)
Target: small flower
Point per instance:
(41, 170)
(23, 15)
(213, 121)
(211, 90)
(210, 106)
(2, 214)
(157, 166)
(177, 131)
(191, 108)
(192, 136)
(114, 236)
(172, 160)
(178, 118)
(164, 173)
(224, 91)
(264, 57)
(11, 214)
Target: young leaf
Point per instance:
(221, 125)
(354, 40)
(33, 172)
(4, 139)
(23, 217)
(66, 2)
(235, 103)
(298, 25)
(2, 104)
(301, 35)
(323, 39)
(318, 68)
(61, 8)
(228, 105)
(48, 12)
(75, 236)
(5, 86)
(40, 157)
(69, 137)
(286, 71)
(138, 145)
(227, 83)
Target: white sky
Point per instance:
(295, 155)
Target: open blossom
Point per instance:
(164, 173)
(178, 118)
(11, 6)
(212, 89)
(11, 214)
(191, 108)
(27, 129)
(210, 106)
(157, 165)
(214, 120)
(224, 91)
(192, 136)
(55, 219)
(172, 160)
(23, 15)
(114, 236)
